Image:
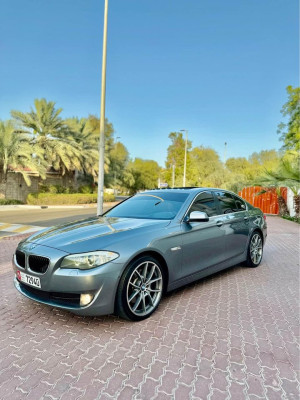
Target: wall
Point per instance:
(16, 188)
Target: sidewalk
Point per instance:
(234, 335)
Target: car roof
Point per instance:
(191, 189)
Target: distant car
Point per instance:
(124, 261)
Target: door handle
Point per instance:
(219, 223)
(246, 218)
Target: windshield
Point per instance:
(154, 205)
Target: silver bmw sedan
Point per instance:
(125, 260)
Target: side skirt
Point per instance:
(206, 272)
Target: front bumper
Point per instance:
(61, 288)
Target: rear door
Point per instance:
(233, 214)
(202, 242)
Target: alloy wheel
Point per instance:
(144, 288)
(256, 248)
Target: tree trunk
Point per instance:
(283, 210)
(297, 204)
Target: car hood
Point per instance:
(91, 234)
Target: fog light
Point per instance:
(85, 299)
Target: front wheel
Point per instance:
(255, 250)
(140, 289)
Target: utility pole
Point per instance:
(185, 151)
(115, 172)
(102, 117)
(173, 175)
(225, 152)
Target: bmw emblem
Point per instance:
(31, 247)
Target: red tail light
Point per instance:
(265, 217)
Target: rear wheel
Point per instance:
(255, 250)
(140, 289)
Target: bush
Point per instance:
(62, 199)
(85, 189)
(55, 189)
(6, 202)
(108, 197)
(43, 188)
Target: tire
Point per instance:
(255, 250)
(140, 289)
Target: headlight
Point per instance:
(88, 260)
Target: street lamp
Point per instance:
(185, 151)
(115, 172)
(102, 118)
(173, 174)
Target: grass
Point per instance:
(294, 219)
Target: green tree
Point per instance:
(175, 156)
(18, 154)
(142, 174)
(237, 165)
(51, 134)
(94, 126)
(290, 131)
(119, 158)
(204, 162)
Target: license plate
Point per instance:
(29, 279)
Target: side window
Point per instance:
(226, 202)
(205, 202)
(240, 204)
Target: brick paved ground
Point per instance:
(230, 336)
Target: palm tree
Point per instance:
(48, 130)
(287, 175)
(88, 142)
(18, 154)
(85, 132)
(271, 186)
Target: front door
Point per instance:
(202, 242)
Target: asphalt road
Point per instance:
(47, 216)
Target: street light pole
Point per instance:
(115, 172)
(173, 175)
(185, 151)
(102, 118)
(225, 152)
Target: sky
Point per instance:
(217, 68)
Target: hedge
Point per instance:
(7, 202)
(60, 199)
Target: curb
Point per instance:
(29, 207)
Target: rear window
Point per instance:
(226, 202)
(154, 205)
(230, 203)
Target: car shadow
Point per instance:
(113, 321)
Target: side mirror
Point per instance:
(197, 216)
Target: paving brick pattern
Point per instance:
(231, 336)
